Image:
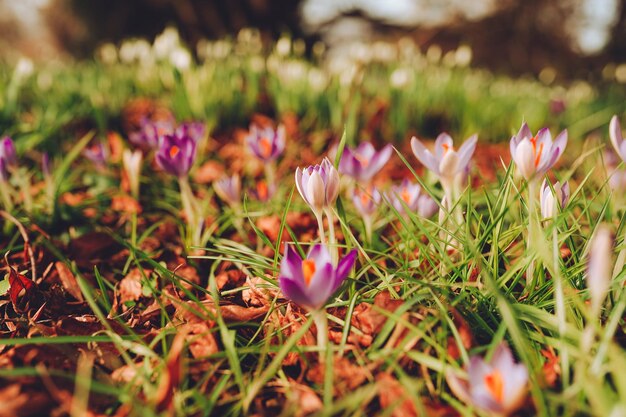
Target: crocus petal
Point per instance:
(466, 151)
(440, 149)
(321, 285)
(316, 194)
(524, 132)
(343, 268)
(615, 133)
(295, 291)
(291, 265)
(299, 185)
(424, 155)
(458, 386)
(599, 266)
(378, 160)
(524, 159)
(319, 254)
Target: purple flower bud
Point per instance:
(7, 152)
(229, 189)
(310, 282)
(548, 200)
(497, 387)
(366, 201)
(97, 154)
(266, 143)
(535, 155)
(364, 162)
(447, 163)
(318, 185)
(151, 133)
(176, 154)
(404, 195)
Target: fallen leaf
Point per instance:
(20, 287)
(69, 281)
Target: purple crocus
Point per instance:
(366, 201)
(151, 132)
(195, 130)
(548, 200)
(535, 155)
(617, 139)
(497, 387)
(229, 189)
(97, 154)
(364, 162)
(8, 157)
(311, 281)
(448, 164)
(318, 185)
(176, 154)
(404, 195)
(266, 143)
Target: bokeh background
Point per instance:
(567, 38)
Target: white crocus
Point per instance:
(131, 161)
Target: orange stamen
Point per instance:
(538, 155)
(446, 148)
(266, 147)
(363, 160)
(365, 198)
(261, 189)
(308, 270)
(495, 385)
(406, 195)
(174, 151)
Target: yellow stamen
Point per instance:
(447, 148)
(495, 385)
(308, 270)
(266, 147)
(174, 150)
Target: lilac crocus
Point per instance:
(311, 281)
(266, 143)
(404, 195)
(366, 201)
(364, 162)
(318, 185)
(535, 155)
(229, 189)
(97, 154)
(176, 154)
(448, 164)
(548, 200)
(497, 387)
(599, 267)
(617, 139)
(151, 132)
(426, 206)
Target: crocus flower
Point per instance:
(310, 282)
(448, 164)
(229, 189)
(97, 154)
(318, 185)
(266, 143)
(366, 201)
(263, 191)
(195, 130)
(131, 161)
(364, 162)
(151, 133)
(404, 195)
(496, 387)
(535, 155)
(426, 206)
(176, 154)
(617, 139)
(548, 200)
(599, 266)
(7, 152)
(8, 157)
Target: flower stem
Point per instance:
(321, 324)
(532, 219)
(191, 210)
(269, 173)
(320, 225)
(6, 195)
(367, 221)
(559, 300)
(332, 241)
